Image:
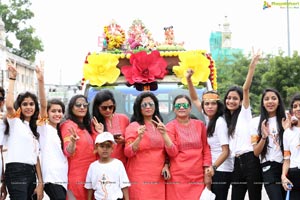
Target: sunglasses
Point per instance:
(79, 105)
(145, 104)
(177, 106)
(104, 108)
(1, 99)
(26, 104)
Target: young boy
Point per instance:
(106, 177)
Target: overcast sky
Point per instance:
(69, 29)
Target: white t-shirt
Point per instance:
(219, 138)
(2, 129)
(291, 142)
(54, 163)
(240, 143)
(22, 145)
(107, 179)
(274, 152)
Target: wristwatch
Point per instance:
(214, 167)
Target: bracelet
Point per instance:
(12, 78)
(263, 138)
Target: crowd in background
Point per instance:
(72, 152)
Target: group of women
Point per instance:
(172, 161)
(250, 152)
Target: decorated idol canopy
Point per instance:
(144, 61)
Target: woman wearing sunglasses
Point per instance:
(79, 137)
(22, 161)
(104, 108)
(146, 137)
(190, 157)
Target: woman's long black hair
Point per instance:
(137, 113)
(231, 119)
(86, 123)
(62, 105)
(264, 115)
(34, 117)
(212, 122)
(102, 96)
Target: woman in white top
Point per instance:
(267, 139)
(291, 145)
(53, 161)
(247, 170)
(217, 138)
(22, 162)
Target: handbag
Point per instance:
(207, 195)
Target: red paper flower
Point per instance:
(145, 68)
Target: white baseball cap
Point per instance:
(103, 137)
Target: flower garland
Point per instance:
(100, 69)
(114, 35)
(213, 72)
(195, 60)
(145, 68)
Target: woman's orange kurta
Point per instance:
(188, 155)
(118, 125)
(80, 161)
(145, 165)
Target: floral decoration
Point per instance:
(114, 35)
(139, 36)
(100, 69)
(196, 61)
(213, 72)
(145, 68)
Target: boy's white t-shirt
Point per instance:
(274, 152)
(22, 145)
(107, 179)
(54, 163)
(291, 143)
(240, 143)
(219, 138)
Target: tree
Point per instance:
(15, 17)
(279, 72)
(283, 75)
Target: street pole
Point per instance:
(288, 28)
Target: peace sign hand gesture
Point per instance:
(98, 126)
(12, 70)
(40, 71)
(160, 125)
(74, 137)
(255, 57)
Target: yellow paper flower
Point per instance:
(101, 68)
(196, 61)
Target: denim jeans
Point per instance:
(271, 172)
(220, 184)
(247, 175)
(294, 177)
(55, 191)
(20, 179)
